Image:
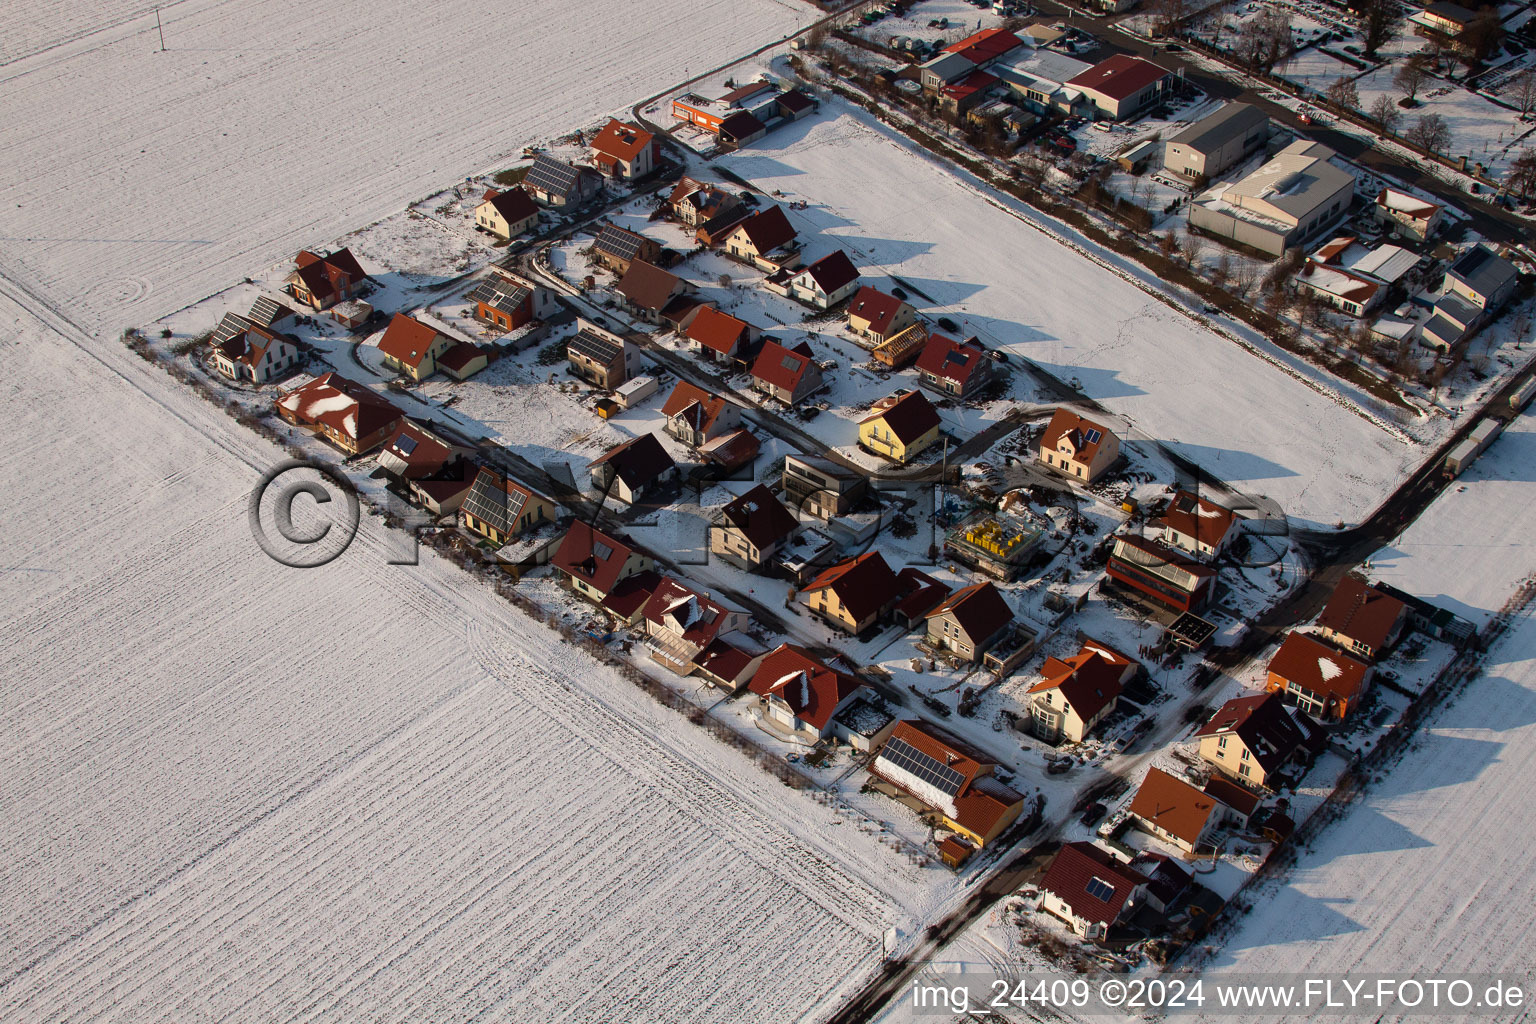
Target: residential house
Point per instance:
(766, 240)
(900, 427)
(749, 531)
(968, 622)
(949, 778)
(507, 213)
(633, 470)
(561, 185)
(682, 623)
(343, 412)
(1217, 142)
(415, 452)
(876, 316)
(1408, 215)
(322, 281)
(1361, 619)
(245, 350)
(851, 595)
(917, 594)
(508, 300)
(443, 492)
(268, 312)
(821, 285)
(601, 357)
(616, 248)
(1078, 447)
(1320, 680)
(694, 416)
(624, 151)
(1177, 813)
(653, 294)
(821, 486)
(727, 664)
(803, 695)
(627, 600)
(1075, 694)
(412, 347)
(1167, 881)
(1167, 576)
(1482, 277)
(1254, 739)
(720, 337)
(1195, 525)
(1345, 290)
(463, 360)
(695, 204)
(1089, 889)
(730, 453)
(788, 374)
(902, 347)
(499, 508)
(953, 369)
(1295, 196)
(593, 563)
(1123, 86)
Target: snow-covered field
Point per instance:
(1243, 418)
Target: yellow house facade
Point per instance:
(900, 427)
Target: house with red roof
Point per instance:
(965, 95)
(681, 623)
(1123, 85)
(1255, 739)
(720, 337)
(765, 240)
(1196, 525)
(877, 316)
(593, 563)
(694, 416)
(1178, 813)
(1361, 619)
(788, 374)
(986, 47)
(949, 778)
(414, 451)
(1166, 575)
(412, 347)
(1090, 889)
(630, 471)
(953, 369)
(499, 508)
(623, 150)
(801, 695)
(1321, 680)
(506, 213)
(696, 203)
(1408, 215)
(821, 285)
(1078, 447)
(322, 281)
(851, 595)
(653, 294)
(750, 530)
(1075, 694)
(344, 412)
(917, 594)
(245, 350)
(968, 622)
(900, 427)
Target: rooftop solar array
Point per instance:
(492, 505)
(1100, 889)
(594, 346)
(267, 312)
(618, 242)
(503, 297)
(1091, 436)
(232, 325)
(550, 175)
(908, 758)
(406, 444)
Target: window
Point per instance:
(1246, 755)
(1242, 769)
(1221, 744)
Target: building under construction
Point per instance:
(999, 545)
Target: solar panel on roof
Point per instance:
(506, 298)
(493, 506)
(594, 346)
(551, 176)
(1091, 436)
(908, 758)
(406, 444)
(266, 312)
(1100, 889)
(231, 325)
(619, 242)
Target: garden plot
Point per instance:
(1246, 420)
(1316, 70)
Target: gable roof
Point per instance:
(414, 451)
(811, 689)
(767, 229)
(947, 769)
(876, 307)
(833, 271)
(1402, 202)
(794, 101)
(595, 345)
(621, 140)
(1225, 791)
(1193, 516)
(1361, 612)
(717, 331)
(862, 583)
(629, 595)
(1119, 77)
(1308, 662)
(500, 294)
(1080, 431)
(556, 177)
(647, 286)
(514, 204)
(637, 462)
(242, 339)
(760, 517)
(782, 367)
(979, 609)
(341, 404)
(1074, 869)
(326, 275)
(607, 555)
(741, 124)
(698, 406)
(919, 592)
(988, 44)
(620, 242)
(1089, 680)
(408, 340)
(1263, 724)
(684, 612)
(732, 450)
(1173, 805)
(498, 501)
(909, 416)
(948, 359)
(1232, 121)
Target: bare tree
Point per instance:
(1344, 94)
(1191, 246)
(1169, 16)
(1377, 19)
(1410, 78)
(1480, 40)
(1244, 276)
(1262, 41)
(1522, 91)
(1386, 112)
(1522, 173)
(1431, 132)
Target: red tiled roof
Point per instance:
(811, 689)
(723, 660)
(876, 307)
(908, 416)
(920, 592)
(685, 613)
(760, 517)
(732, 450)
(833, 271)
(781, 367)
(407, 340)
(980, 801)
(863, 584)
(1263, 724)
(422, 451)
(1243, 801)
(608, 556)
(717, 331)
(343, 405)
(699, 406)
(1361, 612)
(620, 140)
(988, 44)
(948, 359)
(1194, 516)
(1119, 77)
(1078, 864)
(1089, 680)
(631, 593)
(647, 286)
(1065, 421)
(979, 609)
(1173, 805)
(740, 124)
(514, 205)
(796, 101)
(459, 356)
(768, 229)
(971, 84)
(326, 275)
(1305, 661)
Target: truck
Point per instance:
(1465, 453)
(1522, 398)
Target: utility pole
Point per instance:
(161, 29)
